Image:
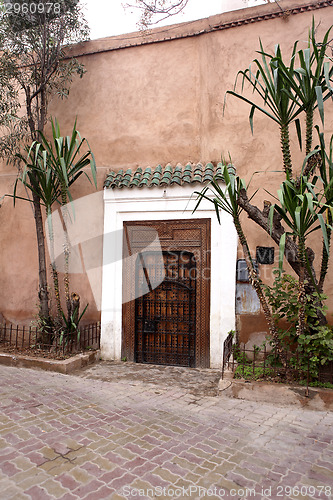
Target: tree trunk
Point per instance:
(309, 130)
(301, 287)
(285, 146)
(325, 255)
(43, 293)
(66, 252)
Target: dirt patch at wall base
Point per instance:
(317, 399)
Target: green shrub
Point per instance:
(315, 346)
(249, 373)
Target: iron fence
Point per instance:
(265, 364)
(34, 339)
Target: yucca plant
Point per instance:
(50, 169)
(39, 178)
(273, 88)
(286, 91)
(226, 199)
(68, 156)
(309, 85)
(301, 206)
(326, 177)
(289, 91)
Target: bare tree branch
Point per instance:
(156, 11)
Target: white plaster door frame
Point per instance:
(175, 202)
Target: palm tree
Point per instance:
(286, 91)
(67, 160)
(42, 182)
(227, 201)
(326, 177)
(51, 168)
(301, 206)
(273, 88)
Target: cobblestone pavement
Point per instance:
(68, 437)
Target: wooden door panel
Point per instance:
(160, 326)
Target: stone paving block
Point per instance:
(9, 454)
(114, 458)
(48, 453)
(323, 471)
(9, 468)
(161, 457)
(155, 481)
(240, 480)
(108, 477)
(67, 481)
(23, 475)
(80, 475)
(120, 483)
(223, 483)
(250, 475)
(90, 487)
(210, 479)
(191, 477)
(191, 457)
(134, 448)
(198, 452)
(184, 463)
(155, 430)
(125, 453)
(137, 462)
(197, 469)
(207, 464)
(27, 479)
(12, 492)
(53, 488)
(102, 463)
(38, 493)
(165, 474)
(146, 467)
(114, 496)
(175, 468)
(139, 484)
(143, 444)
(81, 452)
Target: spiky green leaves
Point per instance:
(285, 90)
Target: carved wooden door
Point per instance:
(167, 319)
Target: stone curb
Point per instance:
(64, 366)
(265, 392)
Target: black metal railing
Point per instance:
(33, 339)
(264, 364)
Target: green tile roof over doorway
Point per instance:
(191, 173)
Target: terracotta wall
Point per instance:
(158, 101)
